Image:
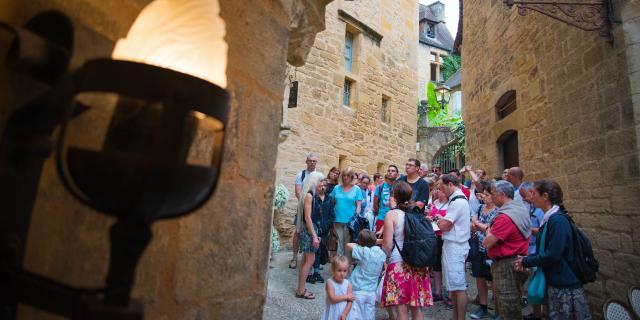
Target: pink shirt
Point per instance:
(439, 211)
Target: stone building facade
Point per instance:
(435, 43)
(211, 264)
(375, 124)
(571, 112)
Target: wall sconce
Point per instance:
(443, 95)
(153, 153)
(589, 15)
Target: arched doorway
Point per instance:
(507, 146)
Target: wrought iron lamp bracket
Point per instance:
(590, 15)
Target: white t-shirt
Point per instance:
(299, 180)
(398, 234)
(458, 214)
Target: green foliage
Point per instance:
(450, 65)
(280, 197)
(275, 241)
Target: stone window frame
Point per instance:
(385, 112)
(437, 63)
(506, 105)
(349, 48)
(351, 104)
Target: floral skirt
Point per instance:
(406, 285)
(306, 242)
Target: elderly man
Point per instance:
(456, 231)
(507, 237)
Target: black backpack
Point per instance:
(584, 265)
(419, 247)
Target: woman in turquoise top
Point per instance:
(348, 199)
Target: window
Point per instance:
(347, 93)
(434, 72)
(380, 168)
(508, 149)
(506, 104)
(431, 30)
(385, 113)
(342, 159)
(433, 57)
(348, 52)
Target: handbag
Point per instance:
(538, 285)
(331, 240)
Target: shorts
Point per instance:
(364, 308)
(508, 283)
(454, 255)
(480, 268)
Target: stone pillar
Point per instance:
(213, 263)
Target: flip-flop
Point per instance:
(306, 295)
(293, 264)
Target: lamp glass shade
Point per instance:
(149, 143)
(182, 35)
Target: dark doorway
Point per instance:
(508, 149)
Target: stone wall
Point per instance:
(432, 140)
(576, 120)
(211, 264)
(322, 125)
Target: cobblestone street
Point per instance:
(282, 304)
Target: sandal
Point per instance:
(306, 295)
(293, 263)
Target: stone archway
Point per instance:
(432, 141)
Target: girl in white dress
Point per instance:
(339, 291)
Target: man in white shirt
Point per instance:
(312, 161)
(456, 231)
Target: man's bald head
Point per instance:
(515, 176)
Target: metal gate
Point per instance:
(451, 157)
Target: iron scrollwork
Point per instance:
(587, 15)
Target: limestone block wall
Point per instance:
(576, 120)
(322, 125)
(211, 264)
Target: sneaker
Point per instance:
(524, 302)
(311, 279)
(318, 278)
(449, 304)
(479, 314)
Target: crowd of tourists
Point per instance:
(516, 236)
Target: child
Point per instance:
(339, 296)
(365, 275)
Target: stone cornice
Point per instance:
(306, 19)
(368, 31)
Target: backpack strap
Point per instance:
(304, 174)
(458, 197)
